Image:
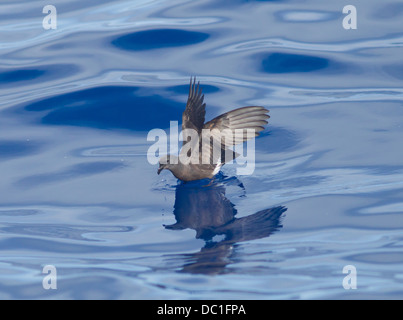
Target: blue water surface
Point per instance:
(77, 191)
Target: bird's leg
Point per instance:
(209, 184)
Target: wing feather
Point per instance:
(229, 129)
(237, 122)
(194, 115)
(235, 127)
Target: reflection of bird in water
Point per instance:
(207, 210)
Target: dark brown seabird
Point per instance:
(232, 122)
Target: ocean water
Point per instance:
(77, 191)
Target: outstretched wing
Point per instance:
(234, 127)
(237, 122)
(195, 112)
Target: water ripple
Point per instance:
(392, 41)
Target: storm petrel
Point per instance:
(229, 129)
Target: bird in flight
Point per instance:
(205, 157)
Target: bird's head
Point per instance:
(167, 162)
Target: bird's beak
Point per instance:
(160, 169)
